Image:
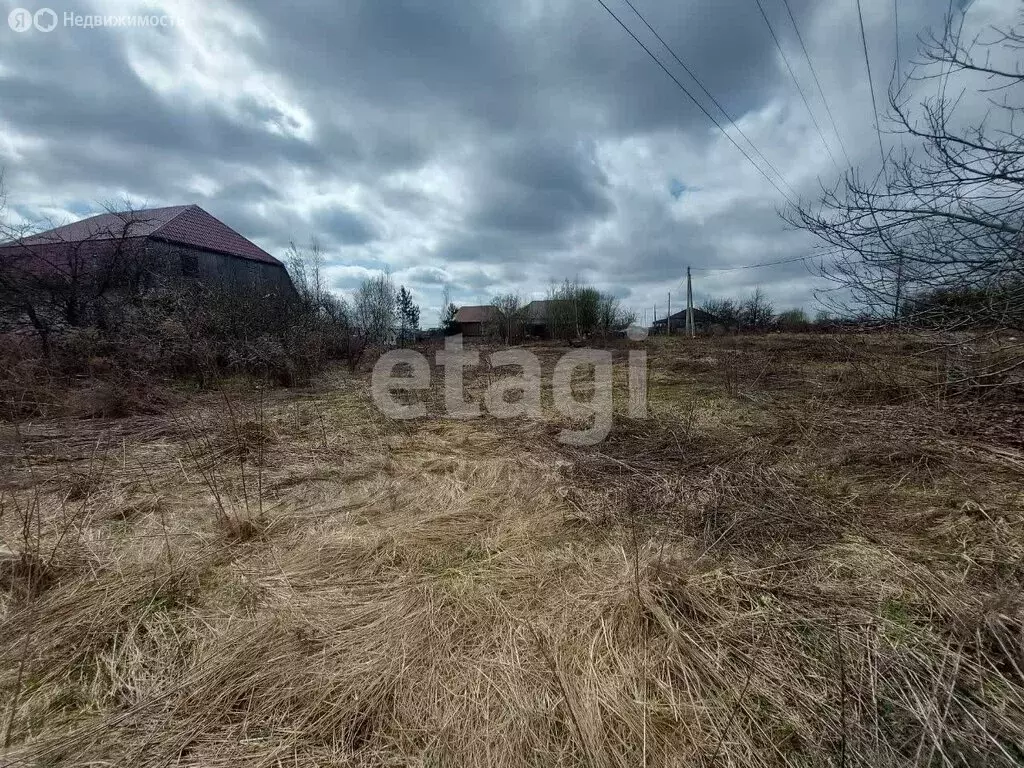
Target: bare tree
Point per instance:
(317, 302)
(376, 308)
(509, 320)
(793, 321)
(725, 311)
(756, 313)
(573, 310)
(56, 280)
(611, 315)
(946, 212)
(306, 267)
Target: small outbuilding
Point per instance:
(474, 320)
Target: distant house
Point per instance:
(703, 322)
(180, 241)
(538, 317)
(474, 320)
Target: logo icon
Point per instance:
(45, 20)
(20, 20)
(636, 332)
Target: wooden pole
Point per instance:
(689, 305)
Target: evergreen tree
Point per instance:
(408, 314)
(448, 319)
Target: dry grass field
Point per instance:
(811, 554)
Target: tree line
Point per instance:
(570, 310)
(757, 313)
(379, 314)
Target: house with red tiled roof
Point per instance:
(178, 241)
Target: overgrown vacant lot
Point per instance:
(811, 554)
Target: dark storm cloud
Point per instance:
(487, 146)
(343, 226)
(491, 64)
(533, 187)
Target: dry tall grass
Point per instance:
(796, 561)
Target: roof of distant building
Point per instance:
(679, 318)
(187, 225)
(475, 314)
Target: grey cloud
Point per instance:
(250, 190)
(470, 130)
(342, 226)
(476, 281)
(541, 188)
(428, 275)
(346, 283)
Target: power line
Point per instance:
(697, 103)
(871, 83)
(707, 93)
(817, 82)
(796, 82)
(791, 260)
(896, 20)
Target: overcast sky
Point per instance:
(489, 146)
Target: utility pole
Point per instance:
(668, 317)
(689, 305)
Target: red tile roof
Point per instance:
(108, 226)
(186, 225)
(478, 314)
(194, 226)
